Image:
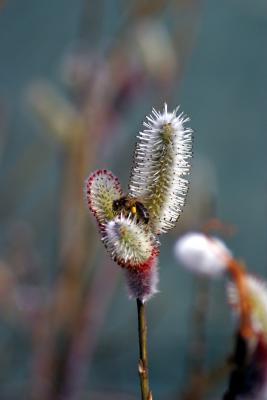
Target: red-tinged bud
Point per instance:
(102, 188)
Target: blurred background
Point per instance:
(77, 78)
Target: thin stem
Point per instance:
(143, 362)
(239, 277)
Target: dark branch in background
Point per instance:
(242, 376)
(197, 349)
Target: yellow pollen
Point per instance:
(133, 210)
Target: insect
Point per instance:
(128, 205)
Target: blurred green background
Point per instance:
(77, 78)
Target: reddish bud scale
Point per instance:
(142, 281)
(135, 267)
(141, 267)
(147, 264)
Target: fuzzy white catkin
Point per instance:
(202, 254)
(127, 242)
(161, 166)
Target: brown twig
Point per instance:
(143, 361)
(238, 274)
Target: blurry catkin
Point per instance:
(204, 255)
(256, 290)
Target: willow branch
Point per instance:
(143, 361)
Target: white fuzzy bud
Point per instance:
(128, 243)
(202, 254)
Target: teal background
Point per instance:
(222, 86)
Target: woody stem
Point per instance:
(143, 362)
